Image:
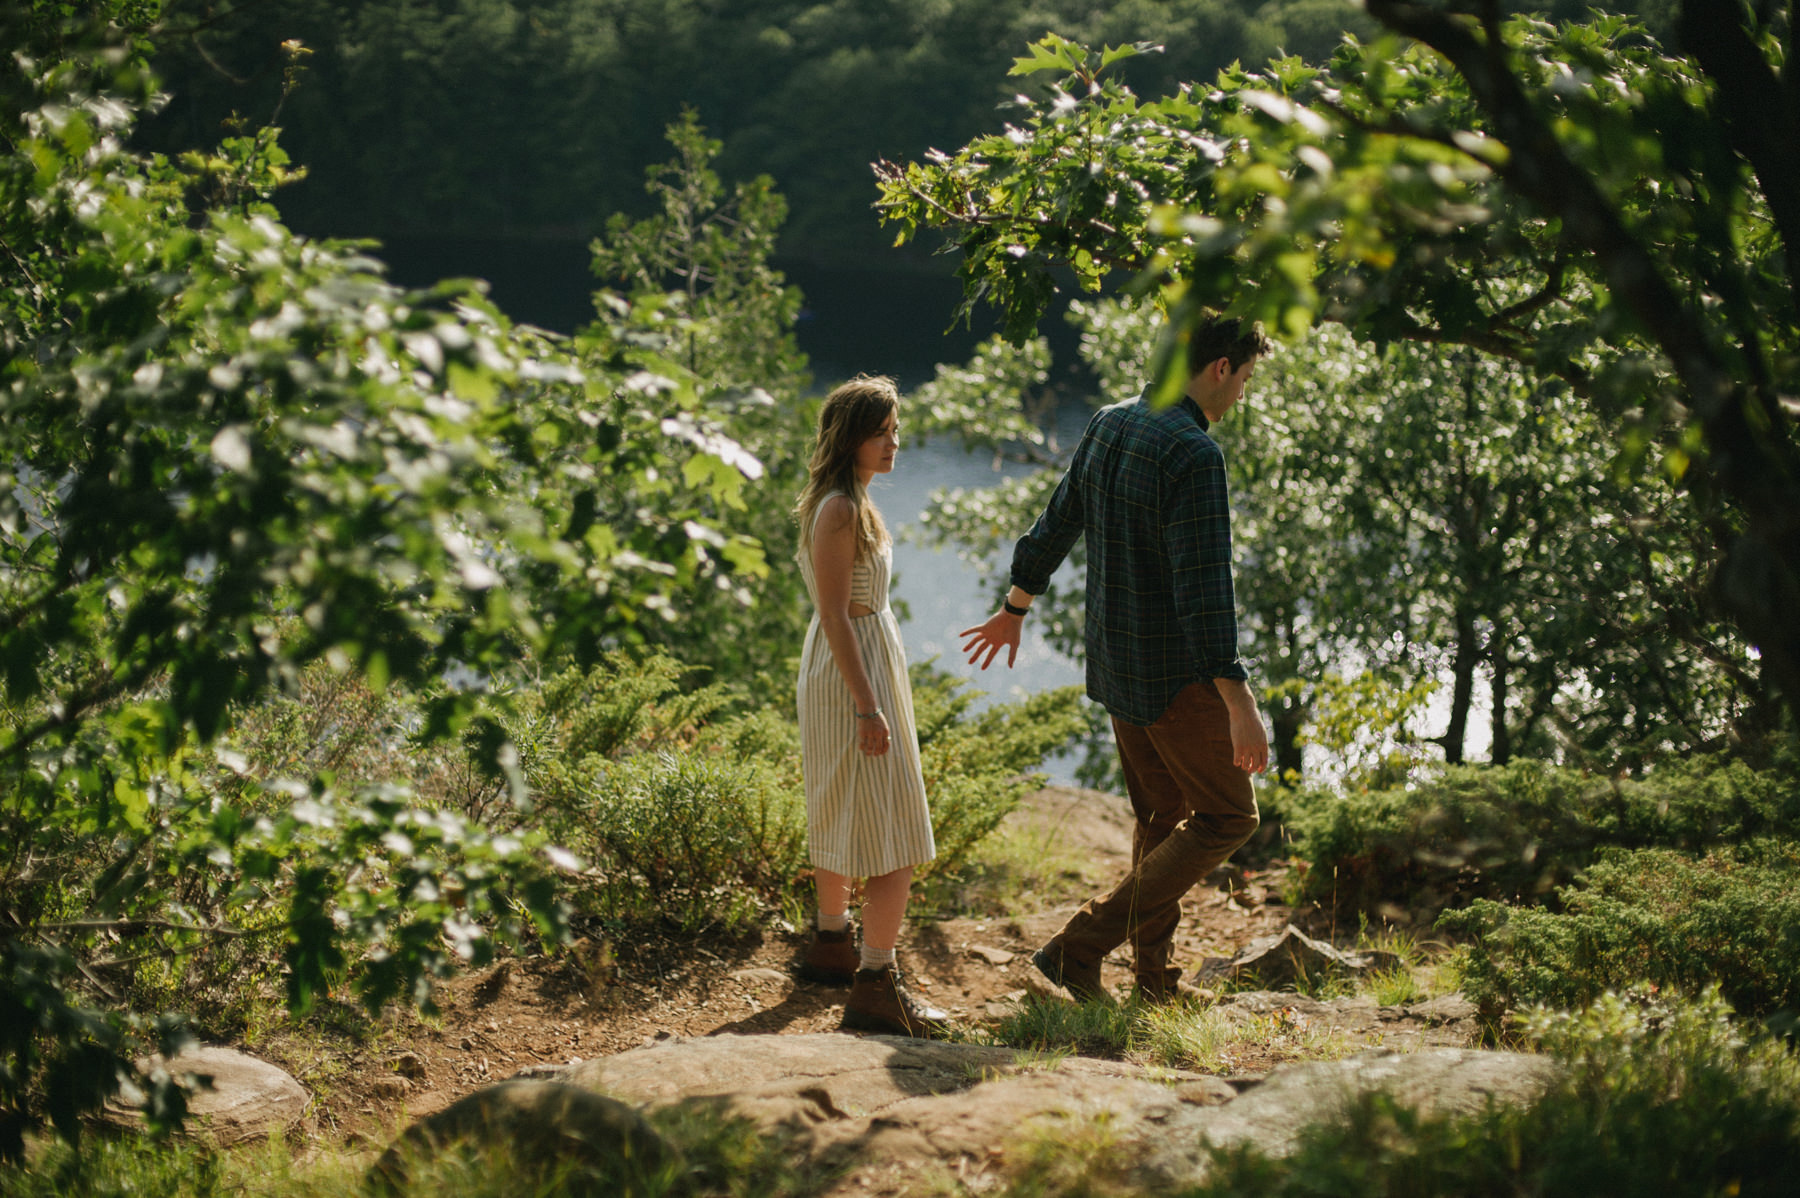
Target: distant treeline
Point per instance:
(536, 118)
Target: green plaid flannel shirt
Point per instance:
(1148, 489)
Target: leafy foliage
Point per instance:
(703, 260)
(228, 454)
(1573, 199)
(1655, 916)
(1521, 831)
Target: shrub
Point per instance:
(689, 836)
(1520, 831)
(975, 767)
(1655, 916)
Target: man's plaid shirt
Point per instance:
(1148, 488)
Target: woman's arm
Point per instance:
(833, 560)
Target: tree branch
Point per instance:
(1758, 117)
(1549, 293)
(1757, 467)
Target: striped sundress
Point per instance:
(865, 816)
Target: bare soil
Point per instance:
(597, 998)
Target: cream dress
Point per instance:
(865, 816)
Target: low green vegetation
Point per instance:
(1656, 1097)
(719, 1154)
(1658, 917)
(1564, 885)
(1196, 1035)
(1520, 831)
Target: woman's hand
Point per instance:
(872, 736)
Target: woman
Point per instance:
(865, 796)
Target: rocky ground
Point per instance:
(535, 1015)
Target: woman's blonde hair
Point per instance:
(851, 414)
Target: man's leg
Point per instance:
(1159, 805)
(1183, 764)
(1192, 743)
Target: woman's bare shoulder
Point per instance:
(836, 512)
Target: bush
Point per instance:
(1654, 916)
(1520, 831)
(693, 817)
(692, 837)
(976, 768)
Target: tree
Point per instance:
(228, 454)
(704, 258)
(1404, 516)
(1574, 199)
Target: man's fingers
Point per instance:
(1012, 653)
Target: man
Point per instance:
(1147, 487)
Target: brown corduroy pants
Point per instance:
(1193, 807)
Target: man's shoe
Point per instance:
(879, 1002)
(1079, 978)
(831, 959)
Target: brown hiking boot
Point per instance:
(1080, 978)
(1160, 993)
(831, 959)
(878, 1002)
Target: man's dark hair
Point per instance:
(1227, 337)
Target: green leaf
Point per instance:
(1052, 52)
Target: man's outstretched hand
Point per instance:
(1001, 629)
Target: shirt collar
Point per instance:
(1187, 403)
(1194, 410)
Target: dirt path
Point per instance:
(598, 1000)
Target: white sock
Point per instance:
(877, 958)
(834, 923)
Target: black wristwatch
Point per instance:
(1011, 610)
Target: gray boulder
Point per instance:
(237, 1098)
(1291, 956)
(1433, 1081)
(546, 1132)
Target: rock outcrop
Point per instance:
(886, 1115)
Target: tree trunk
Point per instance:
(1462, 690)
(1501, 750)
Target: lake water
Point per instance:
(878, 322)
(944, 594)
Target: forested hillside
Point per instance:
(534, 119)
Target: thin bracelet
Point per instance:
(1010, 610)
(873, 715)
